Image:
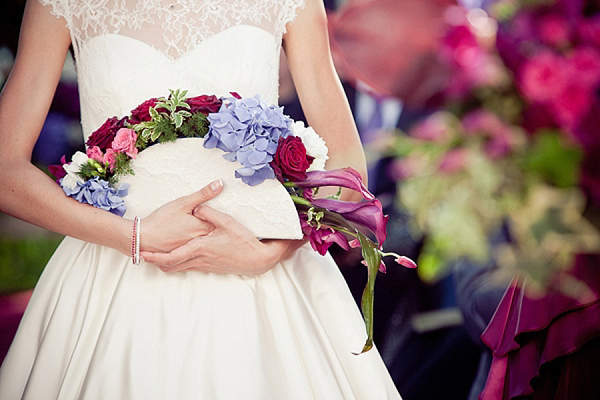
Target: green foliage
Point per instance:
(554, 159)
(195, 126)
(22, 261)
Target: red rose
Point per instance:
(291, 161)
(141, 113)
(104, 135)
(204, 104)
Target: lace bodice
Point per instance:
(128, 51)
(171, 26)
(192, 39)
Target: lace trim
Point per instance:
(182, 23)
(288, 15)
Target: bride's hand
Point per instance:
(229, 249)
(174, 224)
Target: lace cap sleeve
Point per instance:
(288, 14)
(58, 8)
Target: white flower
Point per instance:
(315, 145)
(70, 180)
(79, 159)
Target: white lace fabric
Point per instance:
(171, 26)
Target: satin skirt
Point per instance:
(99, 327)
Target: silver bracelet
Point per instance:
(135, 241)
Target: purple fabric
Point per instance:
(526, 333)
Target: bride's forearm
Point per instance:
(28, 194)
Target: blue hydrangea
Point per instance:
(99, 193)
(248, 130)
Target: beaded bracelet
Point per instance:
(135, 241)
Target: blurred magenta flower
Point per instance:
(589, 30)
(543, 76)
(553, 29)
(585, 62)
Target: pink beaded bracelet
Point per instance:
(135, 241)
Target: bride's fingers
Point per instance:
(203, 195)
(217, 218)
(173, 260)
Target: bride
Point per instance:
(211, 312)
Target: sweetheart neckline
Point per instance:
(167, 57)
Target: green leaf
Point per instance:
(155, 135)
(177, 120)
(372, 256)
(555, 160)
(153, 113)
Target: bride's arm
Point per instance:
(231, 248)
(26, 192)
(323, 100)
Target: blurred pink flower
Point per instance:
(543, 76)
(436, 128)
(585, 63)
(553, 29)
(589, 30)
(454, 160)
(572, 103)
(461, 45)
(500, 136)
(406, 167)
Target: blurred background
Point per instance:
(480, 123)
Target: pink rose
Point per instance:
(95, 153)
(553, 29)
(103, 136)
(543, 76)
(290, 161)
(110, 158)
(125, 142)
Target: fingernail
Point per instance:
(216, 185)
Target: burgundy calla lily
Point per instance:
(367, 213)
(57, 170)
(345, 177)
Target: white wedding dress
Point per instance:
(99, 327)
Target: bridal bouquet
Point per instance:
(266, 144)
